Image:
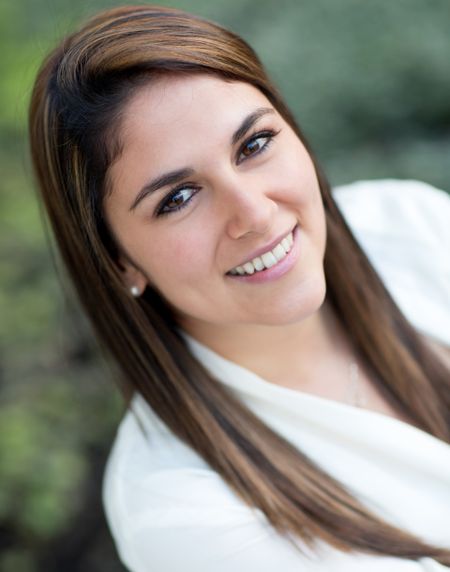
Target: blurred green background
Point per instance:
(369, 83)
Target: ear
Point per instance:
(133, 278)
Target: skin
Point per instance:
(244, 195)
(239, 207)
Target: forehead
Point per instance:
(179, 121)
(175, 103)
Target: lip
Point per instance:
(276, 271)
(263, 249)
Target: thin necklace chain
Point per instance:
(354, 394)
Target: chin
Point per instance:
(307, 301)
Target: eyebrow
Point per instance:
(248, 123)
(173, 177)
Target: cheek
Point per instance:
(300, 187)
(176, 258)
(303, 191)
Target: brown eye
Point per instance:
(176, 200)
(255, 145)
(252, 147)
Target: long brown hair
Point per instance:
(77, 102)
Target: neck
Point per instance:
(281, 354)
(313, 356)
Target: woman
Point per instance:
(284, 414)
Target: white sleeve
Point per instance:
(404, 228)
(188, 520)
(184, 521)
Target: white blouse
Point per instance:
(169, 511)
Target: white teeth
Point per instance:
(258, 263)
(279, 252)
(286, 244)
(266, 260)
(269, 259)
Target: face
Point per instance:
(211, 178)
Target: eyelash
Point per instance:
(268, 134)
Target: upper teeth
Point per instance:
(267, 259)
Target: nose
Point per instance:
(249, 208)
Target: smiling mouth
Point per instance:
(267, 259)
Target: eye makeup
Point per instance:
(255, 144)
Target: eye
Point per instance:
(176, 200)
(255, 145)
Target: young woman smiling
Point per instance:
(284, 413)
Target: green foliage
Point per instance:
(369, 84)
(17, 561)
(29, 447)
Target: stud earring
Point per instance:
(135, 291)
